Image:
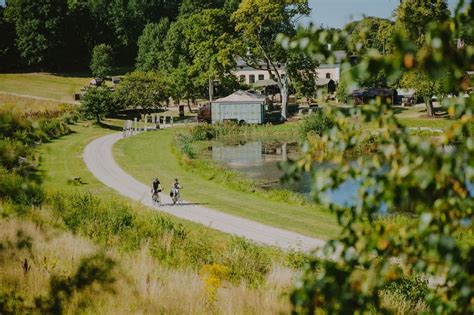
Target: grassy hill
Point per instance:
(43, 85)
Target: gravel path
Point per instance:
(99, 159)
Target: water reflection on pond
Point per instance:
(259, 160)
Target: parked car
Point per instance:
(96, 82)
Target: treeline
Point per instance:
(59, 35)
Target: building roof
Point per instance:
(406, 92)
(241, 96)
(264, 83)
(339, 56)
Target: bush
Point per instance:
(246, 261)
(29, 131)
(113, 224)
(20, 190)
(202, 132)
(317, 123)
(412, 289)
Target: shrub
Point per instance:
(202, 132)
(246, 261)
(317, 123)
(14, 154)
(413, 289)
(20, 190)
(11, 303)
(171, 243)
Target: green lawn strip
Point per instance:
(43, 85)
(149, 154)
(435, 123)
(62, 160)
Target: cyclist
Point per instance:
(155, 190)
(175, 188)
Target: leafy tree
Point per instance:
(412, 23)
(257, 25)
(8, 52)
(371, 32)
(340, 43)
(98, 102)
(425, 87)
(414, 16)
(189, 7)
(209, 39)
(151, 45)
(181, 84)
(142, 90)
(101, 62)
(177, 62)
(302, 71)
(373, 254)
(40, 31)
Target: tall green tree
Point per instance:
(425, 87)
(181, 84)
(40, 31)
(102, 61)
(98, 102)
(177, 61)
(8, 51)
(413, 19)
(302, 71)
(142, 91)
(151, 45)
(371, 32)
(209, 38)
(257, 24)
(414, 16)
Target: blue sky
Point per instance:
(337, 13)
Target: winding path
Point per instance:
(100, 161)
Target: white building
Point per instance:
(250, 75)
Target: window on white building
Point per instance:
(328, 75)
(261, 77)
(251, 78)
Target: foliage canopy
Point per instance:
(405, 170)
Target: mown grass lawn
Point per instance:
(148, 155)
(435, 123)
(58, 87)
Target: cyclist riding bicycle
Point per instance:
(175, 194)
(155, 190)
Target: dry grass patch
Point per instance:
(141, 284)
(30, 106)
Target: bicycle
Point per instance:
(175, 196)
(156, 199)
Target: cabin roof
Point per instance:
(241, 96)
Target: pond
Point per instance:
(258, 160)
